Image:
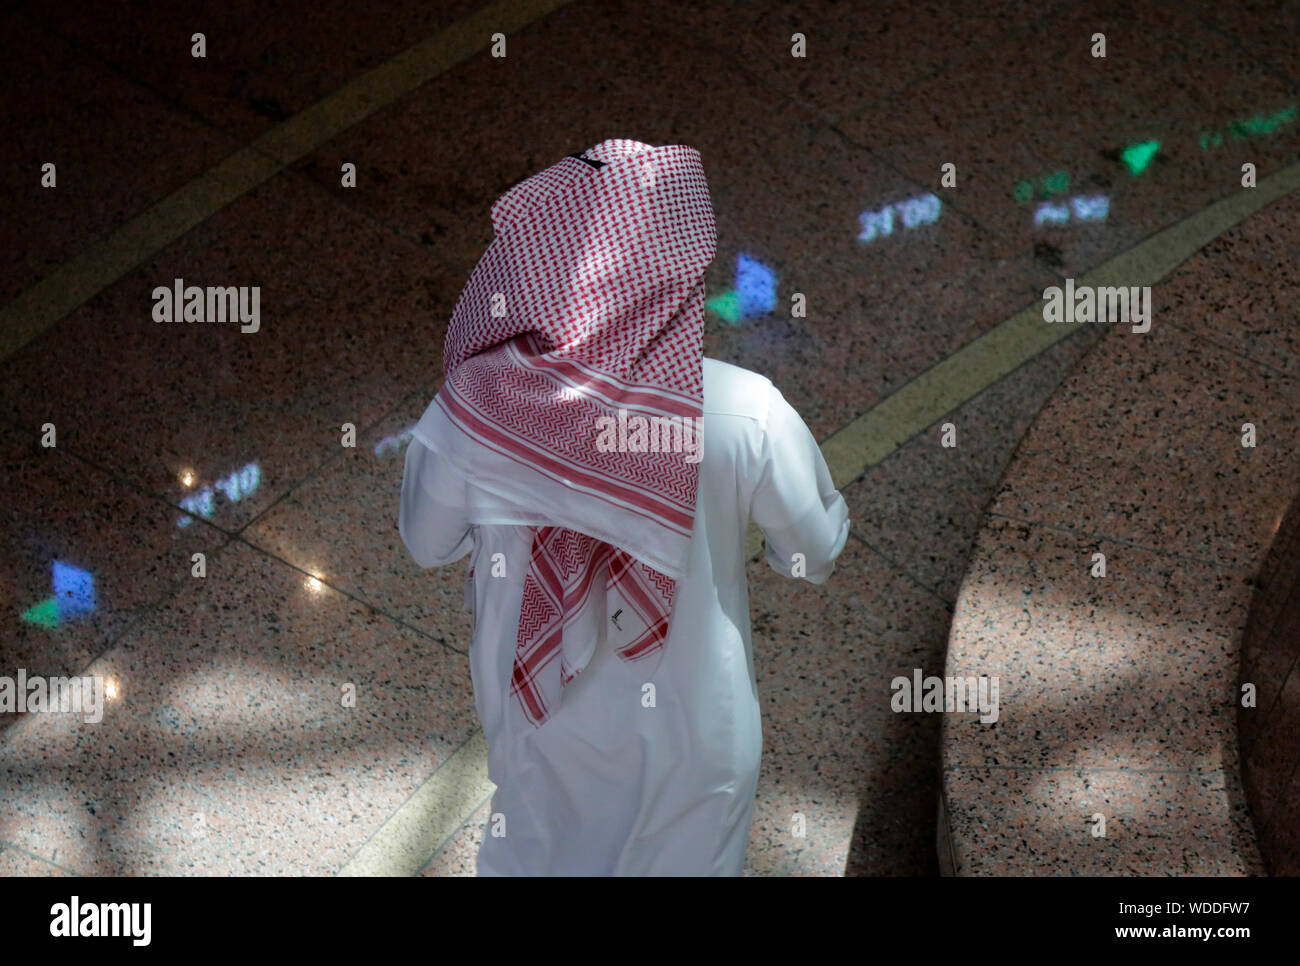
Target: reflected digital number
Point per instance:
(236, 486)
(913, 212)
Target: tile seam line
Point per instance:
(443, 844)
(1270, 717)
(148, 610)
(1271, 815)
(1223, 213)
(900, 568)
(179, 585)
(1235, 351)
(102, 844)
(392, 816)
(22, 850)
(40, 307)
(238, 536)
(328, 462)
(953, 200)
(1020, 365)
(545, 7)
(348, 594)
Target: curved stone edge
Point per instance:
(1188, 805)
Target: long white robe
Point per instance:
(626, 779)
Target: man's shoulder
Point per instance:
(732, 391)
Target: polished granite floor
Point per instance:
(226, 749)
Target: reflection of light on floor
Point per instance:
(394, 443)
(110, 688)
(754, 293)
(74, 595)
(314, 585)
(187, 478)
(921, 210)
(1250, 127)
(725, 304)
(755, 287)
(1057, 183)
(1094, 208)
(236, 486)
(1138, 157)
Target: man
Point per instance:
(602, 474)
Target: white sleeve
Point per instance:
(434, 533)
(795, 501)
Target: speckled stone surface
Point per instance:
(1143, 443)
(1044, 822)
(1035, 103)
(883, 311)
(229, 749)
(360, 551)
(1270, 728)
(854, 54)
(1095, 672)
(922, 505)
(106, 172)
(1267, 655)
(352, 319)
(1256, 263)
(15, 862)
(633, 70)
(1182, 178)
(59, 508)
(1281, 837)
(1264, 28)
(1119, 692)
(263, 63)
(459, 854)
(834, 752)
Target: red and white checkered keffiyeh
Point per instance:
(589, 299)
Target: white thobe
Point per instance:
(646, 767)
